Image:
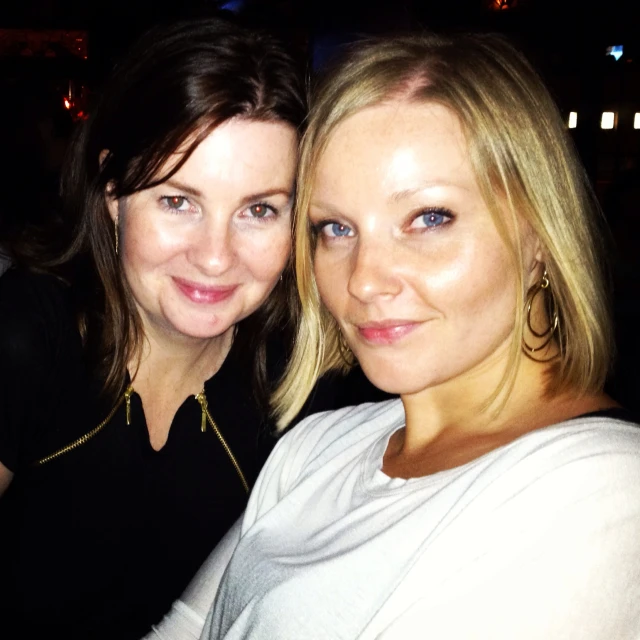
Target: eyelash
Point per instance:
(267, 206)
(164, 200)
(446, 214)
(318, 227)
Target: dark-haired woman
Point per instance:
(131, 395)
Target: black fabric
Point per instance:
(615, 413)
(99, 542)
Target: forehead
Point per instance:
(400, 143)
(240, 146)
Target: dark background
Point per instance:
(567, 40)
(55, 53)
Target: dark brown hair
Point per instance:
(176, 84)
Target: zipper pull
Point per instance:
(202, 399)
(127, 403)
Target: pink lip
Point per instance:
(202, 294)
(386, 332)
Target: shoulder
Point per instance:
(40, 358)
(585, 463)
(320, 432)
(336, 389)
(607, 444)
(23, 293)
(34, 308)
(587, 436)
(331, 438)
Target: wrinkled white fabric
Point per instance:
(537, 539)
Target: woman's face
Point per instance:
(408, 258)
(204, 249)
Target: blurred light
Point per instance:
(616, 51)
(636, 121)
(67, 103)
(573, 119)
(233, 5)
(608, 120)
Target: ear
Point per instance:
(534, 260)
(112, 205)
(112, 202)
(538, 257)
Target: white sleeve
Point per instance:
(187, 616)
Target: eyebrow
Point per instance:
(429, 184)
(185, 188)
(270, 193)
(326, 207)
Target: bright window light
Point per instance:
(616, 51)
(573, 119)
(636, 121)
(608, 120)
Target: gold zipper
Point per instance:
(126, 397)
(206, 416)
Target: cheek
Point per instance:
(480, 288)
(147, 243)
(331, 276)
(470, 269)
(265, 255)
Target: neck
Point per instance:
(470, 408)
(177, 361)
(458, 421)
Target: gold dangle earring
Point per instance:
(542, 286)
(345, 350)
(115, 225)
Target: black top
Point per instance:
(98, 542)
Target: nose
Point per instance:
(374, 271)
(211, 247)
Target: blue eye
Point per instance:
(330, 229)
(337, 230)
(433, 219)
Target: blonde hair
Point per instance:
(518, 147)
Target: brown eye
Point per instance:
(176, 202)
(260, 210)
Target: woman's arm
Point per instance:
(187, 616)
(6, 477)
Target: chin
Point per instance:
(389, 381)
(200, 330)
(400, 377)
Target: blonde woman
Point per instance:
(445, 238)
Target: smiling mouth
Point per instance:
(387, 332)
(202, 294)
